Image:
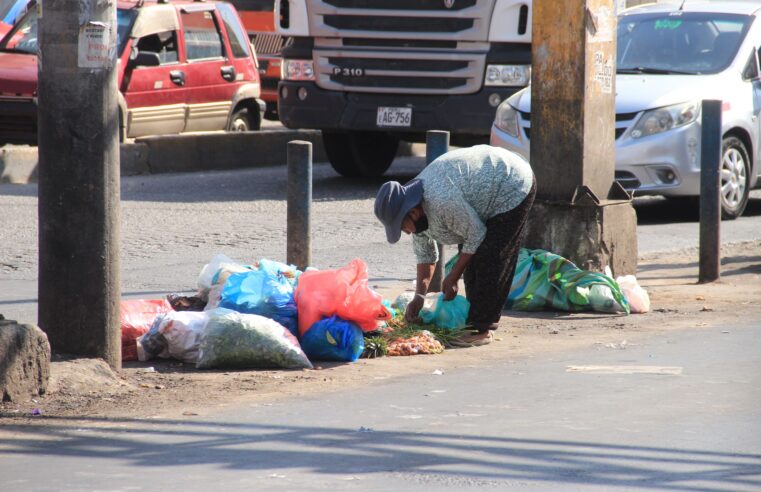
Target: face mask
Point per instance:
(421, 224)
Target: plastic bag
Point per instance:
(248, 341)
(343, 292)
(639, 301)
(210, 272)
(602, 300)
(175, 334)
(333, 339)
(136, 317)
(402, 300)
(544, 280)
(445, 314)
(266, 292)
(290, 272)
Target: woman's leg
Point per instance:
(490, 274)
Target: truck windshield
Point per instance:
(679, 42)
(23, 37)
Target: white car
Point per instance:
(670, 57)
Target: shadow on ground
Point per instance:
(331, 450)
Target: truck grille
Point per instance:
(400, 46)
(397, 24)
(269, 44)
(401, 4)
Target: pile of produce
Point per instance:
(400, 338)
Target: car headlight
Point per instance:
(506, 119)
(664, 119)
(297, 70)
(508, 75)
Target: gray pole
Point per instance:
(299, 236)
(79, 277)
(710, 200)
(436, 145)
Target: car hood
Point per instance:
(18, 74)
(635, 93)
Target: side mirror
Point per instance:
(145, 59)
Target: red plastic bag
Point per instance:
(136, 318)
(343, 292)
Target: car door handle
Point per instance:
(228, 73)
(177, 77)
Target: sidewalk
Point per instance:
(88, 388)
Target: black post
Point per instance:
(299, 236)
(436, 145)
(710, 199)
(78, 121)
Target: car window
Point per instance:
(124, 21)
(202, 37)
(23, 37)
(239, 43)
(163, 44)
(689, 42)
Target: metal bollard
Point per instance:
(710, 199)
(436, 145)
(299, 235)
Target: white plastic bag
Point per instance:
(176, 334)
(213, 275)
(639, 300)
(602, 300)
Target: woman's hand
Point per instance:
(449, 287)
(412, 314)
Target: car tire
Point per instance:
(241, 121)
(734, 172)
(360, 153)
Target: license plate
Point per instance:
(394, 116)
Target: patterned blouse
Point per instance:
(462, 190)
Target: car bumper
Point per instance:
(665, 164)
(18, 120)
(470, 114)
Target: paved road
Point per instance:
(514, 424)
(173, 224)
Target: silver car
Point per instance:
(669, 58)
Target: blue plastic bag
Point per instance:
(333, 339)
(445, 314)
(265, 292)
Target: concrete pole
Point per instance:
(710, 197)
(299, 216)
(579, 212)
(79, 227)
(436, 145)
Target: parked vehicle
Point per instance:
(370, 73)
(182, 66)
(670, 57)
(10, 11)
(259, 20)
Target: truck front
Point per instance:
(371, 72)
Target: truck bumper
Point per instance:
(470, 114)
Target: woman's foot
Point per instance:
(473, 339)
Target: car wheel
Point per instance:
(240, 122)
(734, 172)
(365, 154)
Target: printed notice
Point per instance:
(603, 73)
(96, 48)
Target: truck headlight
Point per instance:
(508, 75)
(664, 119)
(506, 119)
(297, 70)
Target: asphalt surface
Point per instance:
(173, 224)
(674, 412)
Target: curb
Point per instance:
(180, 153)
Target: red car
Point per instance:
(182, 66)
